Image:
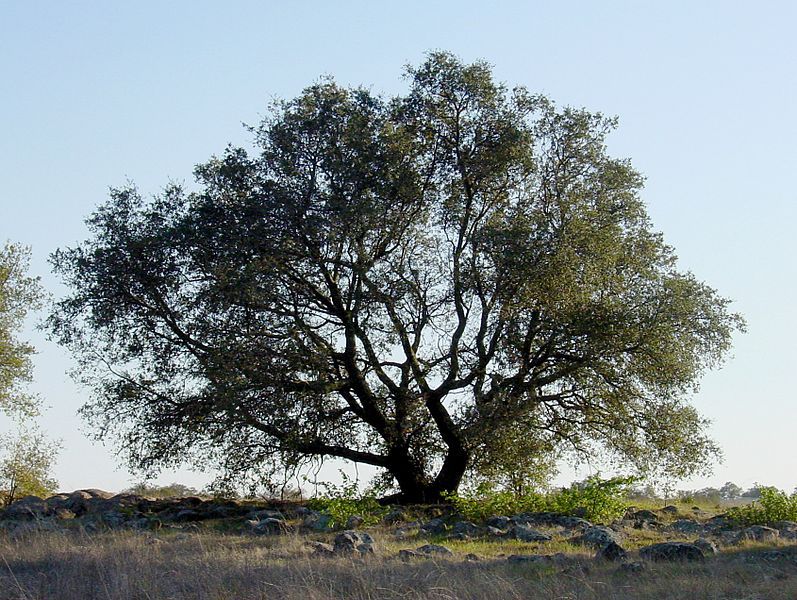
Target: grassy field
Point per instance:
(208, 564)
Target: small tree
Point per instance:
(26, 466)
(18, 295)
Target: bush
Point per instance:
(773, 505)
(344, 501)
(595, 499)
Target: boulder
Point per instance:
(268, 526)
(28, 508)
(758, 533)
(612, 552)
(434, 550)
(596, 536)
(465, 529)
(707, 547)
(321, 549)
(672, 551)
(354, 521)
(351, 541)
(434, 526)
(318, 521)
(524, 533)
(686, 527)
(499, 522)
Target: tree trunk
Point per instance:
(416, 488)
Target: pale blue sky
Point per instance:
(95, 93)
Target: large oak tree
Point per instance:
(456, 279)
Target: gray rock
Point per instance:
(318, 521)
(524, 533)
(499, 522)
(465, 529)
(632, 567)
(113, 518)
(612, 552)
(596, 536)
(351, 541)
(354, 521)
(434, 526)
(434, 550)
(407, 555)
(263, 514)
(557, 558)
(395, 515)
(758, 533)
(528, 558)
(321, 549)
(672, 551)
(669, 510)
(268, 526)
(495, 532)
(28, 508)
(707, 547)
(644, 516)
(686, 527)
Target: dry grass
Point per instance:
(207, 565)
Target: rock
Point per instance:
(28, 508)
(524, 533)
(612, 552)
(434, 550)
(263, 514)
(596, 536)
(644, 516)
(318, 521)
(787, 529)
(321, 549)
(351, 541)
(407, 555)
(528, 558)
(495, 532)
(573, 523)
(672, 551)
(268, 526)
(187, 515)
(632, 567)
(499, 522)
(669, 510)
(707, 547)
(471, 557)
(557, 558)
(758, 533)
(465, 529)
(63, 514)
(686, 527)
(113, 518)
(434, 526)
(354, 521)
(395, 515)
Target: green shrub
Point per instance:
(773, 505)
(595, 499)
(344, 501)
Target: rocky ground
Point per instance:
(638, 544)
(681, 535)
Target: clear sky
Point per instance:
(93, 94)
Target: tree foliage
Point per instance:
(420, 283)
(26, 466)
(19, 293)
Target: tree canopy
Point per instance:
(457, 279)
(19, 293)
